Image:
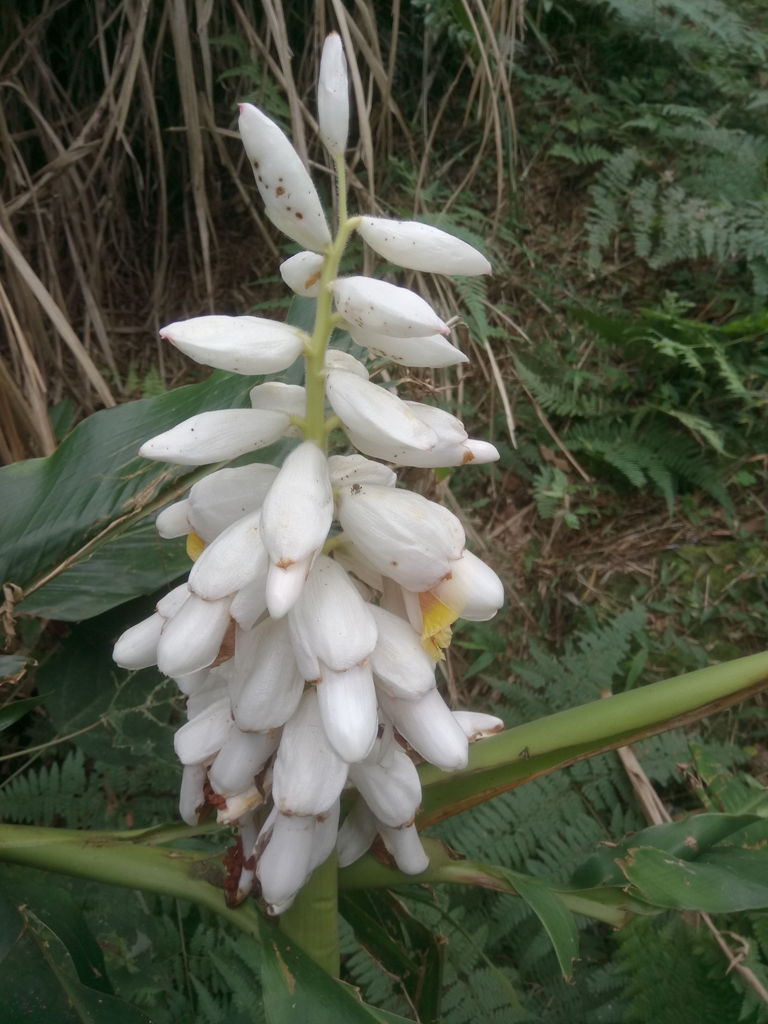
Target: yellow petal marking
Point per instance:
(195, 546)
(436, 634)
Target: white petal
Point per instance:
(430, 728)
(284, 586)
(350, 559)
(193, 682)
(432, 351)
(137, 647)
(216, 436)
(382, 307)
(400, 664)
(405, 846)
(284, 866)
(230, 562)
(347, 702)
(393, 600)
(308, 775)
(288, 398)
(302, 273)
(413, 610)
(393, 793)
(330, 623)
(267, 685)
(298, 510)
(477, 726)
(173, 521)
(242, 756)
(223, 497)
(250, 603)
(240, 344)
(482, 452)
(192, 638)
(416, 246)
(356, 834)
(239, 805)
(325, 836)
(206, 697)
(372, 412)
(192, 797)
(333, 96)
(473, 590)
(402, 534)
(335, 359)
(205, 735)
(285, 186)
(351, 469)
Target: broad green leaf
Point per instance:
(723, 880)
(38, 979)
(13, 712)
(59, 912)
(554, 915)
(297, 991)
(687, 839)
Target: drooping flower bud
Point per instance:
(221, 498)
(290, 198)
(241, 757)
(473, 590)
(192, 796)
(405, 846)
(173, 521)
(136, 648)
(285, 863)
(230, 562)
(433, 350)
(386, 309)
(401, 667)
(302, 273)
(371, 412)
(356, 834)
(430, 728)
(266, 687)
(355, 469)
(295, 519)
(478, 726)
(416, 246)
(216, 436)
(241, 344)
(204, 735)
(333, 96)
(192, 638)
(392, 793)
(405, 536)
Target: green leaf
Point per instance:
(13, 712)
(12, 665)
(38, 979)
(296, 990)
(554, 915)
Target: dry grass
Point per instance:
(125, 200)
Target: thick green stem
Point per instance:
(312, 922)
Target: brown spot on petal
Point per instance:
(468, 457)
(279, 191)
(256, 164)
(285, 563)
(381, 853)
(299, 216)
(227, 649)
(312, 280)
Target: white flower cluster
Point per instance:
(308, 656)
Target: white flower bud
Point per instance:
(473, 590)
(295, 519)
(137, 647)
(478, 726)
(430, 728)
(350, 559)
(308, 775)
(405, 536)
(288, 398)
(432, 351)
(230, 562)
(355, 469)
(250, 603)
(266, 687)
(335, 359)
(216, 436)
(192, 797)
(240, 344)
(392, 793)
(290, 198)
(214, 690)
(330, 623)
(386, 309)
(356, 834)
(325, 836)
(333, 96)
(302, 273)
(371, 412)
(172, 521)
(242, 757)
(416, 246)
(347, 702)
(401, 667)
(194, 682)
(173, 600)
(285, 864)
(285, 584)
(223, 497)
(204, 735)
(405, 846)
(193, 637)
